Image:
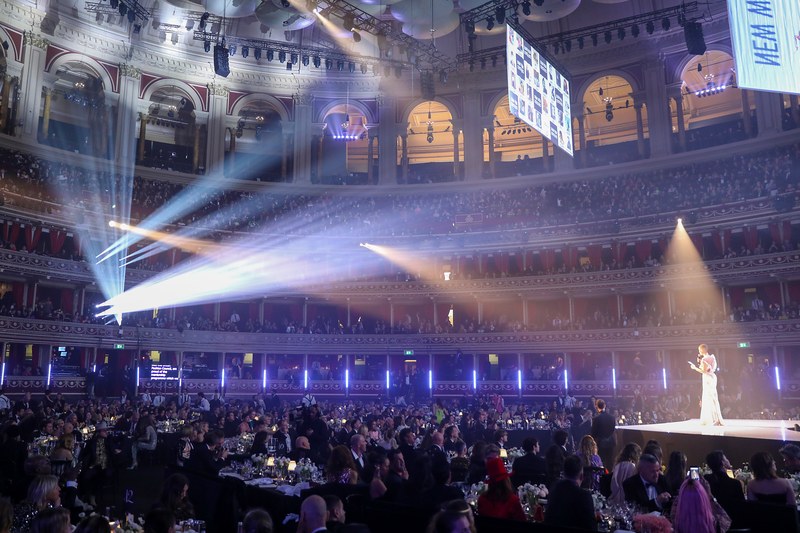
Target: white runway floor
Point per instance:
(749, 429)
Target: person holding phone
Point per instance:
(710, 412)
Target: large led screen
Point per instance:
(538, 94)
(766, 44)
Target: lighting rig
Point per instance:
(124, 8)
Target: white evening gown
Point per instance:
(710, 412)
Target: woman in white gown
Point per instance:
(710, 412)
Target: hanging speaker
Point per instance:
(221, 66)
(695, 42)
(427, 85)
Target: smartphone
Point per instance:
(694, 473)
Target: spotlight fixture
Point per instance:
(204, 20)
(231, 50)
(349, 21)
(281, 56)
(328, 64)
(207, 46)
(363, 68)
(351, 67)
(245, 51)
(609, 111)
(594, 39)
(285, 4)
(665, 24)
(500, 14)
(288, 65)
(305, 60)
(174, 37)
(257, 54)
(568, 45)
(580, 43)
(608, 37)
(526, 8)
(539, 3)
(621, 34)
(635, 30)
(469, 27)
(443, 77)
(123, 9)
(340, 65)
(356, 37)
(710, 90)
(376, 69)
(650, 27)
(114, 4)
(489, 23)
(317, 61)
(270, 54)
(131, 16)
(494, 61)
(293, 59)
(699, 67)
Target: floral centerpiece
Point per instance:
(281, 466)
(259, 460)
(305, 470)
(513, 453)
(599, 501)
(529, 496)
(651, 523)
(794, 479)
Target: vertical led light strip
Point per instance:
(566, 380)
(264, 379)
(346, 378)
(519, 380)
(50, 373)
(664, 377)
(614, 378)
(305, 379)
(3, 374)
(222, 382)
(475, 380)
(137, 376)
(777, 378)
(387, 380)
(430, 379)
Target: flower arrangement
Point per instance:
(259, 460)
(530, 494)
(305, 470)
(651, 523)
(599, 501)
(282, 466)
(478, 488)
(794, 479)
(513, 453)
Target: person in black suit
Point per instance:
(441, 491)
(358, 447)
(283, 439)
(436, 451)
(604, 433)
(208, 458)
(302, 450)
(649, 487)
(530, 468)
(728, 491)
(555, 456)
(25, 403)
(568, 505)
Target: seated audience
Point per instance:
(648, 488)
(766, 486)
(569, 505)
(728, 491)
(257, 521)
(529, 468)
(627, 460)
(499, 500)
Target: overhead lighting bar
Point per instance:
(130, 6)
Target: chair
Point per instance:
(355, 507)
(761, 517)
(57, 468)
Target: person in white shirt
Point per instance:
(202, 403)
(5, 401)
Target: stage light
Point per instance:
(138, 376)
(566, 380)
(650, 27)
(608, 37)
(232, 50)
(204, 20)
(257, 54)
(519, 381)
(635, 30)
(665, 24)
(317, 61)
(222, 380)
(49, 373)
(489, 23)
(285, 4)
(526, 8)
(474, 380)
(351, 67)
(387, 380)
(430, 379)
(123, 9)
(328, 64)
(621, 34)
(305, 378)
(364, 68)
(305, 60)
(500, 14)
(282, 56)
(270, 54)
(356, 37)
(614, 378)
(264, 380)
(245, 51)
(469, 27)
(289, 65)
(664, 377)
(114, 4)
(568, 45)
(340, 65)
(3, 374)
(580, 43)
(293, 59)
(777, 378)
(207, 46)
(346, 378)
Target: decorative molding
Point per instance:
(217, 89)
(35, 40)
(303, 99)
(130, 71)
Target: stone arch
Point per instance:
(362, 109)
(272, 102)
(578, 96)
(685, 60)
(494, 102)
(71, 58)
(417, 101)
(187, 90)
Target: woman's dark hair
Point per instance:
(339, 460)
(257, 521)
(172, 497)
(51, 520)
(93, 524)
(500, 490)
(714, 461)
(761, 464)
(676, 471)
(260, 439)
(478, 450)
(630, 452)
(444, 521)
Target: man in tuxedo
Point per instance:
(555, 456)
(283, 439)
(436, 451)
(208, 458)
(25, 403)
(649, 487)
(530, 468)
(604, 433)
(358, 447)
(568, 505)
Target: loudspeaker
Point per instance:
(221, 56)
(427, 85)
(695, 42)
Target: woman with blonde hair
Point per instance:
(592, 464)
(43, 493)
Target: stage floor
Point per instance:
(738, 438)
(782, 430)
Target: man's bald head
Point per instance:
(313, 512)
(302, 443)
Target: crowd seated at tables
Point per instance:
(361, 457)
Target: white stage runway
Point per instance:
(782, 430)
(740, 439)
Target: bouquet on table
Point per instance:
(651, 523)
(282, 466)
(513, 453)
(259, 460)
(599, 501)
(305, 470)
(529, 496)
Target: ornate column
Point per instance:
(30, 95)
(4, 96)
(658, 113)
(472, 127)
(215, 138)
(769, 113)
(492, 155)
(387, 139)
(747, 121)
(142, 137)
(404, 155)
(302, 138)
(679, 116)
(196, 148)
(371, 156)
(125, 149)
(456, 162)
(582, 155)
(637, 106)
(48, 101)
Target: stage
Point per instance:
(739, 439)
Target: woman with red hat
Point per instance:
(500, 500)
